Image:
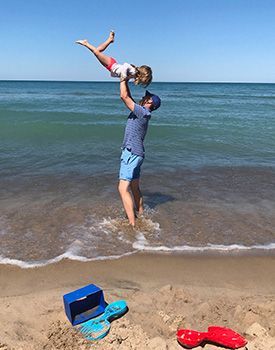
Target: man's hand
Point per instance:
(127, 78)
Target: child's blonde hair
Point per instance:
(143, 76)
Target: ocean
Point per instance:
(208, 177)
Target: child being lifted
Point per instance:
(142, 75)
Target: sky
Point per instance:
(182, 40)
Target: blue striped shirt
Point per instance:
(135, 130)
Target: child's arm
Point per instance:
(125, 95)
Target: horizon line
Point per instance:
(116, 82)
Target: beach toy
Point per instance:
(225, 337)
(190, 339)
(84, 304)
(98, 328)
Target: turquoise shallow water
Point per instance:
(208, 177)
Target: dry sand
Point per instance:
(163, 293)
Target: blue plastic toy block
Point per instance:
(84, 304)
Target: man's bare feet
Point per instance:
(82, 42)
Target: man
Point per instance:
(133, 149)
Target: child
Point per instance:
(142, 75)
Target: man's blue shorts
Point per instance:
(129, 165)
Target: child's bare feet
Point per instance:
(82, 42)
(111, 36)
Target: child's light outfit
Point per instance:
(120, 70)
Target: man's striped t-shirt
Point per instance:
(136, 128)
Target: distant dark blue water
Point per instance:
(208, 174)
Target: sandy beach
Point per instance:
(137, 154)
(163, 292)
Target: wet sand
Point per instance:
(163, 292)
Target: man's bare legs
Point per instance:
(123, 188)
(137, 196)
(97, 51)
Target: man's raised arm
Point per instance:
(125, 95)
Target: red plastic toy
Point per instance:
(217, 335)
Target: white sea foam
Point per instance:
(108, 226)
(66, 255)
(71, 254)
(142, 244)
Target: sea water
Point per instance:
(208, 178)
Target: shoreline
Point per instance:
(163, 292)
(190, 252)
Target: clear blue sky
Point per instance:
(182, 40)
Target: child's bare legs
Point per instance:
(97, 51)
(102, 47)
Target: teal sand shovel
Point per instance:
(99, 327)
